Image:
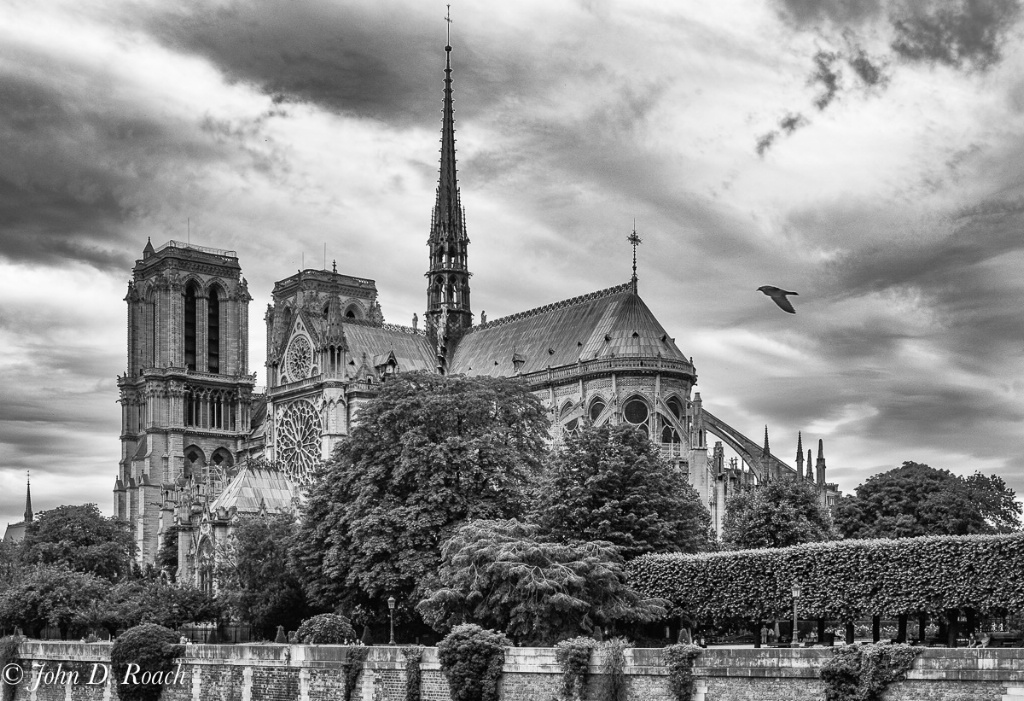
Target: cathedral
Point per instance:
(201, 448)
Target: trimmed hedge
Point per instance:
(841, 580)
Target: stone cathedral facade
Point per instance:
(200, 449)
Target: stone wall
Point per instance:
(316, 673)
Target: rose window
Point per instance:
(299, 359)
(298, 438)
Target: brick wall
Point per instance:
(316, 673)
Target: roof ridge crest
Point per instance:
(572, 301)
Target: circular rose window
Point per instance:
(299, 358)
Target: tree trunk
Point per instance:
(876, 628)
(758, 626)
(821, 631)
(922, 623)
(849, 633)
(953, 616)
(901, 633)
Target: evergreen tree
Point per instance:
(611, 484)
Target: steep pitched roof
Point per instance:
(368, 340)
(256, 485)
(609, 323)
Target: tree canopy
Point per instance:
(916, 499)
(254, 577)
(82, 539)
(428, 453)
(610, 483)
(775, 515)
(507, 575)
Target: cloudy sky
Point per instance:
(868, 154)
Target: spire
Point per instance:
(148, 250)
(765, 452)
(28, 498)
(634, 239)
(810, 467)
(448, 221)
(819, 467)
(799, 455)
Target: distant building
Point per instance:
(15, 532)
(201, 449)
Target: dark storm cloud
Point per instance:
(826, 77)
(955, 33)
(869, 71)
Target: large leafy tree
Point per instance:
(508, 576)
(916, 499)
(49, 596)
(82, 539)
(611, 484)
(776, 515)
(137, 601)
(254, 577)
(428, 453)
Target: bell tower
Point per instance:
(448, 314)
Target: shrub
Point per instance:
(471, 659)
(573, 657)
(862, 672)
(842, 580)
(352, 666)
(679, 660)
(326, 629)
(154, 649)
(412, 656)
(613, 670)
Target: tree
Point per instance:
(611, 484)
(506, 575)
(916, 499)
(254, 578)
(49, 596)
(167, 555)
(82, 539)
(776, 515)
(429, 453)
(134, 602)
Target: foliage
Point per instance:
(135, 602)
(412, 656)
(154, 649)
(472, 659)
(841, 580)
(506, 575)
(573, 657)
(916, 500)
(610, 483)
(167, 555)
(776, 515)
(81, 539)
(613, 670)
(355, 657)
(326, 629)
(50, 595)
(254, 577)
(862, 672)
(679, 660)
(8, 655)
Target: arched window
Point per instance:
(213, 331)
(676, 408)
(636, 413)
(191, 291)
(597, 407)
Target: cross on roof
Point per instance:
(634, 239)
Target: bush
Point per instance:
(326, 629)
(8, 655)
(352, 667)
(679, 659)
(862, 672)
(842, 580)
(153, 649)
(471, 659)
(573, 657)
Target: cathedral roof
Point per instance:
(255, 486)
(609, 323)
(411, 350)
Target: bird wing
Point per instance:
(783, 303)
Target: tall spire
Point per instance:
(28, 497)
(799, 455)
(449, 313)
(765, 451)
(635, 240)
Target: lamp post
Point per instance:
(796, 596)
(391, 614)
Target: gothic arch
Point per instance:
(596, 408)
(354, 311)
(637, 412)
(195, 460)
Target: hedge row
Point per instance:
(841, 580)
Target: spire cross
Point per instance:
(448, 19)
(634, 239)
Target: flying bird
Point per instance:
(779, 297)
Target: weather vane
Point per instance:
(634, 239)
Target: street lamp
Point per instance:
(391, 614)
(796, 596)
